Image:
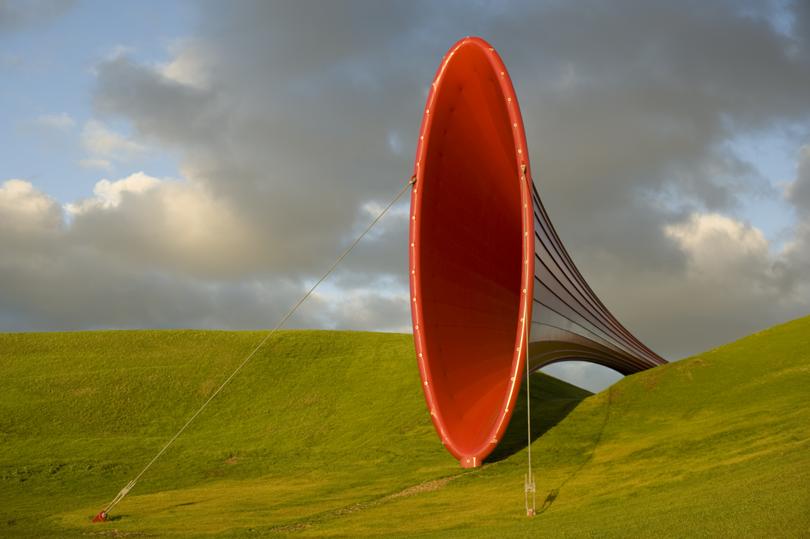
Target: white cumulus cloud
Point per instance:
(99, 140)
(25, 210)
(189, 65)
(717, 244)
(108, 194)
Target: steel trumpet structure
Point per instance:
(492, 285)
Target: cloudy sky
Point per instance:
(199, 164)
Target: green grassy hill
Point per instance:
(326, 433)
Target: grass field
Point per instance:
(326, 433)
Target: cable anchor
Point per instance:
(529, 487)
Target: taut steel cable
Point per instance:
(128, 487)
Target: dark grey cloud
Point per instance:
(20, 14)
(295, 120)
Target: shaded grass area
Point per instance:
(551, 401)
(326, 433)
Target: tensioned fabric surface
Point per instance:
(492, 285)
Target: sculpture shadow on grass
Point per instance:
(553, 493)
(552, 400)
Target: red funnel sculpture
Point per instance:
(491, 282)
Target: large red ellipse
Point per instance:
(471, 250)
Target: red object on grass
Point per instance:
(483, 253)
(468, 211)
(101, 517)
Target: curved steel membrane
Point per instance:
(491, 282)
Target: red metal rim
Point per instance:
(473, 454)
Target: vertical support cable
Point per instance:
(529, 486)
(528, 482)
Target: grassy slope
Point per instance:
(327, 433)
